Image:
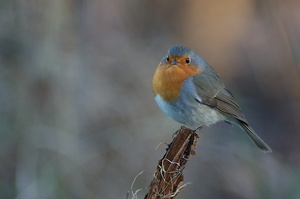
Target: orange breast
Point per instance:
(168, 79)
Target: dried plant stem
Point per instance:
(168, 178)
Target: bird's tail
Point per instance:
(257, 140)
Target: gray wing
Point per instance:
(213, 93)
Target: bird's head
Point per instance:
(184, 58)
(179, 64)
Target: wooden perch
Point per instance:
(168, 178)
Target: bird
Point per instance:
(188, 90)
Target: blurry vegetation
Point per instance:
(77, 115)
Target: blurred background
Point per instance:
(77, 114)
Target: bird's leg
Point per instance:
(198, 129)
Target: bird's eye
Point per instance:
(168, 59)
(188, 60)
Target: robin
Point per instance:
(188, 90)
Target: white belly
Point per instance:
(190, 112)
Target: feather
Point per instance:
(213, 93)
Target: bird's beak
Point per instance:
(174, 62)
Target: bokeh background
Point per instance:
(77, 115)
